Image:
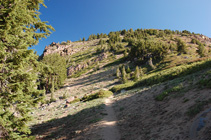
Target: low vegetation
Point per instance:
(197, 107)
(167, 92)
(100, 94)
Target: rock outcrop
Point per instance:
(72, 69)
(65, 48)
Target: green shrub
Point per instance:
(161, 34)
(104, 93)
(166, 93)
(197, 107)
(186, 32)
(75, 100)
(195, 41)
(63, 43)
(117, 88)
(100, 94)
(161, 96)
(205, 83)
(64, 96)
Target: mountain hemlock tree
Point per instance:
(201, 50)
(124, 75)
(57, 64)
(151, 64)
(128, 69)
(118, 73)
(52, 90)
(136, 74)
(141, 71)
(181, 46)
(20, 28)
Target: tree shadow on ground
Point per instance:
(78, 126)
(94, 78)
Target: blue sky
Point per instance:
(75, 19)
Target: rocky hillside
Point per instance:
(160, 80)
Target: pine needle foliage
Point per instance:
(181, 46)
(57, 64)
(124, 75)
(20, 28)
(201, 50)
(136, 74)
(118, 73)
(128, 69)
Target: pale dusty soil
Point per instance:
(109, 123)
(91, 120)
(129, 115)
(140, 117)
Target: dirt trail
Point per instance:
(109, 123)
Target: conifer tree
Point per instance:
(98, 36)
(124, 75)
(150, 63)
(84, 39)
(141, 71)
(128, 69)
(57, 64)
(201, 50)
(20, 28)
(181, 46)
(90, 37)
(118, 73)
(136, 74)
(52, 89)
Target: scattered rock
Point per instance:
(72, 69)
(78, 131)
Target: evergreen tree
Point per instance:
(44, 76)
(201, 50)
(105, 35)
(123, 32)
(58, 65)
(118, 73)
(124, 75)
(151, 64)
(52, 89)
(141, 71)
(90, 37)
(98, 36)
(128, 69)
(20, 28)
(84, 39)
(136, 74)
(181, 46)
